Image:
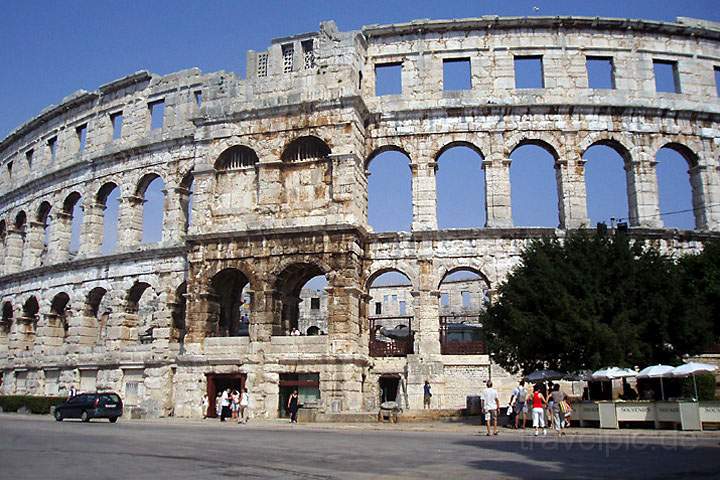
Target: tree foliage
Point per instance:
(591, 301)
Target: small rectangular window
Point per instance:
(157, 114)
(403, 307)
(315, 303)
(262, 64)
(81, 133)
(444, 299)
(457, 74)
(388, 79)
(288, 52)
(394, 298)
(198, 98)
(601, 72)
(117, 121)
(385, 298)
(466, 299)
(308, 54)
(667, 78)
(378, 308)
(9, 167)
(529, 72)
(29, 157)
(52, 146)
(717, 81)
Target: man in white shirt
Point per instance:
(491, 407)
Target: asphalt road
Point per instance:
(39, 448)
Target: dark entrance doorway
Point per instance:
(307, 385)
(389, 386)
(217, 382)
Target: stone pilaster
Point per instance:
(270, 180)
(58, 249)
(91, 236)
(424, 196)
(706, 196)
(426, 323)
(572, 195)
(203, 186)
(122, 330)
(643, 190)
(50, 332)
(265, 314)
(34, 246)
(343, 319)
(131, 222)
(14, 243)
(175, 221)
(497, 193)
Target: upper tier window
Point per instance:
(388, 79)
(157, 114)
(305, 148)
(667, 77)
(601, 72)
(529, 72)
(457, 74)
(236, 157)
(288, 53)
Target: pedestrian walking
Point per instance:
(491, 407)
(519, 403)
(292, 406)
(427, 395)
(244, 406)
(205, 404)
(538, 410)
(558, 397)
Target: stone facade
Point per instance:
(265, 187)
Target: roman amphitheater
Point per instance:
(263, 186)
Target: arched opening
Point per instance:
(152, 191)
(390, 314)
(3, 238)
(460, 181)
(5, 325)
(72, 206)
(97, 310)
(288, 295)
(109, 197)
(237, 156)
(43, 218)
(31, 309)
(390, 202)
(178, 308)
(186, 199)
(142, 308)
(305, 148)
(464, 293)
(679, 202)
(606, 182)
(312, 316)
(59, 310)
(21, 228)
(230, 304)
(533, 185)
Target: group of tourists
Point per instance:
(547, 404)
(231, 404)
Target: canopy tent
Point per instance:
(657, 371)
(692, 369)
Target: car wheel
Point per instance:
(85, 417)
(58, 416)
(113, 419)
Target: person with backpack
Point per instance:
(519, 403)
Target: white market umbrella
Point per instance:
(612, 373)
(692, 369)
(657, 371)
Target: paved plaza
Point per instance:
(34, 447)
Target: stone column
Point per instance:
(58, 249)
(497, 193)
(14, 243)
(131, 222)
(174, 220)
(642, 190)
(50, 332)
(426, 323)
(706, 196)
(203, 186)
(424, 196)
(343, 313)
(263, 314)
(122, 330)
(34, 246)
(83, 332)
(572, 195)
(91, 235)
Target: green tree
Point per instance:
(590, 301)
(700, 287)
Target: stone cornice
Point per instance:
(276, 232)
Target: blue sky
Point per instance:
(52, 48)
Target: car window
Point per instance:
(114, 398)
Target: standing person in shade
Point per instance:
(244, 406)
(519, 403)
(558, 416)
(491, 407)
(205, 404)
(72, 391)
(427, 394)
(292, 406)
(234, 404)
(538, 410)
(218, 405)
(225, 404)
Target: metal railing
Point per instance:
(461, 335)
(391, 336)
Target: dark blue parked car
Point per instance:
(91, 405)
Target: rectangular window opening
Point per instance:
(262, 64)
(444, 299)
(466, 299)
(403, 307)
(457, 74)
(394, 299)
(388, 79)
(601, 72)
(117, 121)
(717, 80)
(157, 114)
(315, 303)
(52, 146)
(529, 72)
(9, 168)
(198, 98)
(29, 157)
(308, 54)
(81, 133)
(288, 52)
(667, 78)
(378, 308)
